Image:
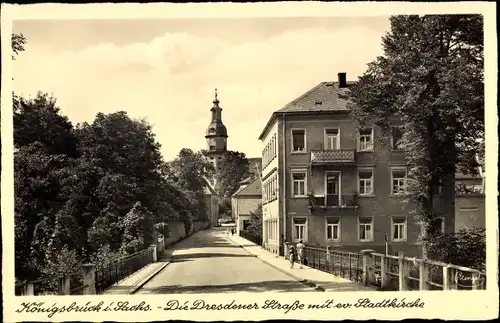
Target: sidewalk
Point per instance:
(132, 283)
(316, 278)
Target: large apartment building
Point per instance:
(328, 183)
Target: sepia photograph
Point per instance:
(197, 156)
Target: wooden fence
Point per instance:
(393, 273)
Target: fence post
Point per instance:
(29, 289)
(328, 255)
(403, 273)
(64, 285)
(366, 277)
(155, 257)
(423, 275)
(383, 272)
(89, 279)
(446, 278)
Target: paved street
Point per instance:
(208, 262)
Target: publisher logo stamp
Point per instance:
(468, 280)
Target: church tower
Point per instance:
(216, 136)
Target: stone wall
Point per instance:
(177, 230)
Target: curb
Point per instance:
(148, 278)
(299, 279)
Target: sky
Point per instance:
(166, 70)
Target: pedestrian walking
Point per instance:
(293, 255)
(300, 252)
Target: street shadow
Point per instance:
(279, 286)
(205, 242)
(179, 260)
(177, 257)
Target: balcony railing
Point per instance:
(333, 156)
(333, 201)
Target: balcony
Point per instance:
(340, 202)
(332, 157)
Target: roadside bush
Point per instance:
(464, 248)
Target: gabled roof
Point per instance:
(247, 180)
(324, 97)
(252, 189)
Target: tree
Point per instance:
(137, 229)
(190, 172)
(17, 41)
(255, 226)
(234, 168)
(431, 79)
(40, 120)
(38, 198)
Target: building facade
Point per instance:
(328, 183)
(470, 209)
(245, 201)
(212, 203)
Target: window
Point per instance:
(212, 147)
(365, 181)
(246, 224)
(365, 229)
(398, 229)
(332, 139)
(299, 183)
(298, 140)
(366, 139)
(299, 228)
(273, 229)
(397, 134)
(398, 181)
(333, 229)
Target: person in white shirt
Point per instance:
(300, 252)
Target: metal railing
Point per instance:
(333, 200)
(257, 239)
(107, 275)
(344, 264)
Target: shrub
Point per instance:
(464, 248)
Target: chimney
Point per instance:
(342, 79)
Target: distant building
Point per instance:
(469, 201)
(212, 202)
(246, 200)
(330, 184)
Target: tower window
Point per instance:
(212, 147)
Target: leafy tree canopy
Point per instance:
(431, 80)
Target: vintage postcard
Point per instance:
(227, 161)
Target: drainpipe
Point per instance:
(283, 130)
